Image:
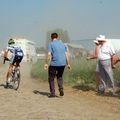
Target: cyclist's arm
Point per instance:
(5, 55)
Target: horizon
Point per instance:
(82, 19)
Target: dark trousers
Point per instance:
(55, 71)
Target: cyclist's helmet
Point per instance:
(11, 41)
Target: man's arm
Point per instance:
(91, 57)
(67, 60)
(47, 59)
(114, 60)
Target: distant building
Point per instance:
(116, 44)
(76, 51)
(28, 48)
(89, 45)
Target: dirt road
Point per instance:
(31, 102)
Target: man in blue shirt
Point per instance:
(58, 56)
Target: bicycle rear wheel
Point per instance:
(16, 80)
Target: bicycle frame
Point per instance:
(15, 80)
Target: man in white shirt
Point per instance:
(105, 55)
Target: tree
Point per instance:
(63, 35)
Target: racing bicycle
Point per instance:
(15, 79)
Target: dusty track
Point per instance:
(30, 102)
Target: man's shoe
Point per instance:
(100, 92)
(61, 93)
(51, 96)
(111, 93)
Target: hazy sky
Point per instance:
(82, 19)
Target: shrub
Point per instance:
(81, 73)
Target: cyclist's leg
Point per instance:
(9, 74)
(11, 63)
(10, 70)
(17, 66)
(18, 61)
(8, 78)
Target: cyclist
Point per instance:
(15, 55)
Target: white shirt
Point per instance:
(106, 51)
(11, 51)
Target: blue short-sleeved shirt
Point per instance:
(57, 50)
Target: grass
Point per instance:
(117, 75)
(82, 73)
(38, 70)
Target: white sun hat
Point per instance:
(101, 38)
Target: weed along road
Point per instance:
(31, 102)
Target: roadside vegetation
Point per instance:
(82, 73)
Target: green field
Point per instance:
(81, 74)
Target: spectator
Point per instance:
(57, 53)
(105, 56)
(97, 76)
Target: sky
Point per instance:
(83, 19)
